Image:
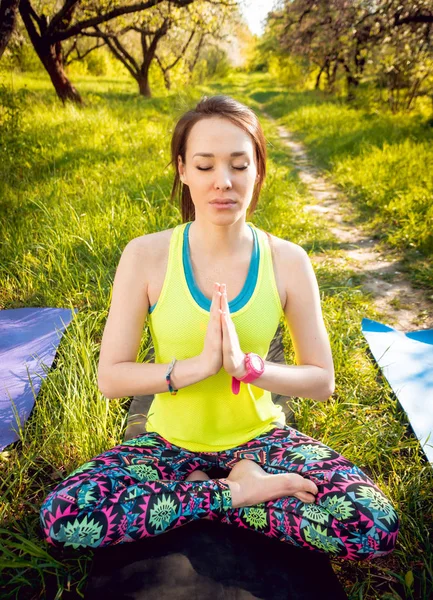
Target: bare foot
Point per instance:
(197, 475)
(250, 485)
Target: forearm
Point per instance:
(305, 381)
(140, 379)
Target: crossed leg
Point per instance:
(138, 489)
(350, 517)
(129, 492)
(250, 484)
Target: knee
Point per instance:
(375, 537)
(64, 522)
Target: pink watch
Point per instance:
(255, 367)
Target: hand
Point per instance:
(212, 353)
(233, 357)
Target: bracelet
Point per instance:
(171, 389)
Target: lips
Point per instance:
(223, 202)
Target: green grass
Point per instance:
(383, 162)
(80, 183)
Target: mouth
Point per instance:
(223, 202)
(223, 205)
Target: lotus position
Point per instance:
(214, 290)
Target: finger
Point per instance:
(224, 291)
(225, 304)
(216, 301)
(217, 293)
(310, 486)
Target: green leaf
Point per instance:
(409, 579)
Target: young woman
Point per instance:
(215, 288)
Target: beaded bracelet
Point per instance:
(171, 389)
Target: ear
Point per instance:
(181, 168)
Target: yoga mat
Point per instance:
(29, 338)
(406, 360)
(208, 560)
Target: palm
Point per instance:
(233, 357)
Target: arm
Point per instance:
(313, 374)
(119, 374)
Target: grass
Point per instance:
(383, 162)
(79, 184)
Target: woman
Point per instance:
(217, 287)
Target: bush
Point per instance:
(11, 110)
(21, 55)
(217, 64)
(287, 70)
(98, 63)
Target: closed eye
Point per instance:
(236, 168)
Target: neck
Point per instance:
(220, 242)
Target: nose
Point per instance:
(222, 179)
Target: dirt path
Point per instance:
(403, 306)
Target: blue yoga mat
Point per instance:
(406, 360)
(29, 338)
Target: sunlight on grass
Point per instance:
(383, 162)
(78, 184)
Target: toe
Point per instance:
(305, 497)
(310, 486)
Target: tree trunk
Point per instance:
(332, 75)
(8, 19)
(50, 55)
(352, 83)
(143, 85)
(317, 85)
(167, 80)
(53, 63)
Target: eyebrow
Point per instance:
(240, 153)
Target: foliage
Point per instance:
(12, 125)
(90, 179)
(20, 54)
(384, 163)
(288, 71)
(386, 42)
(49, 25)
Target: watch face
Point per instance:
(256, 362)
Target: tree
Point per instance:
(47, 33)
(329, 34)
(8, 19)
(163, 34)
(349, 33)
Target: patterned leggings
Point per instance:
(138, 489)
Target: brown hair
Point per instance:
(238, 114)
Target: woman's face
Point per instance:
(228, 171)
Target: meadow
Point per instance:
(76, 184)
(382, 161)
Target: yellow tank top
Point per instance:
(207, 416)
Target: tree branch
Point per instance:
(117, 12)
(63, 13)
(81, 56)
(120, 49)
(413, 19)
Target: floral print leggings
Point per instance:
(138, 489)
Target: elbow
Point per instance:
(105, 390)
(327, 390)
(104, 386)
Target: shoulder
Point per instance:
(294, 266)
(148, 245)
(288, 253)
